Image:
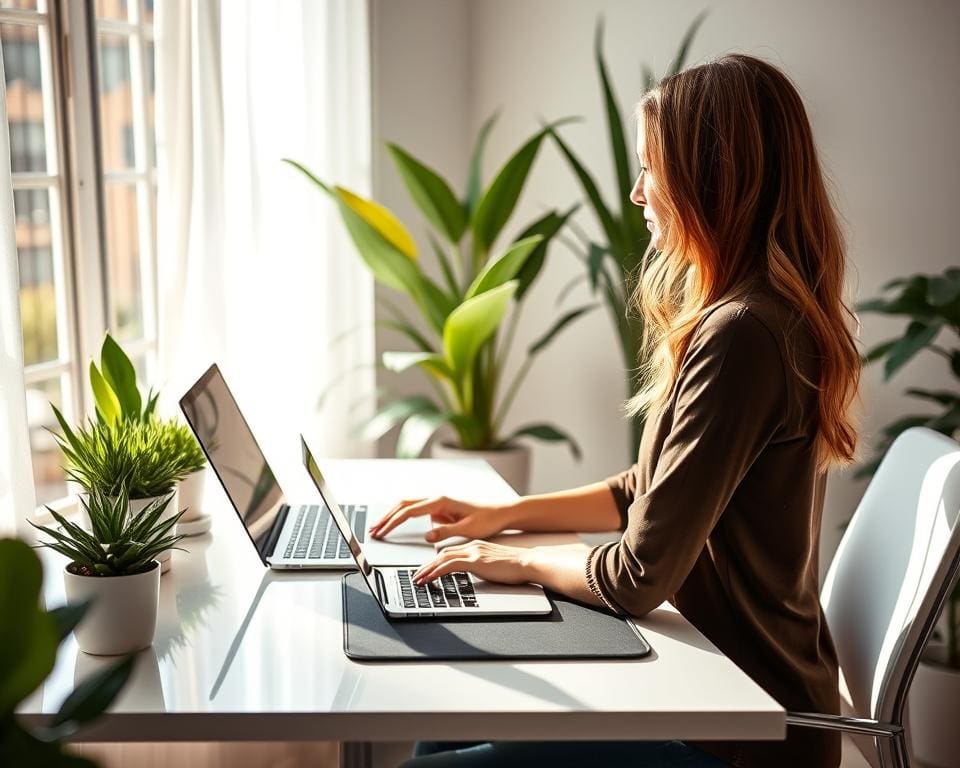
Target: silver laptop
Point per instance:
(286, 535)
(457, 593)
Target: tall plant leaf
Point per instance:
(547, 433)
(392, 413)
(917, 336)
(92, 697)
(558, 326)
(618, 145)
(120, 374)
(498, 271)
(472, 323)
(500, 198)
(431, 193)
(681, 56)
(430, 362)
(474, 183)
(108, 406)
(417, 430)
(547, 226)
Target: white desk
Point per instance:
(242, 653)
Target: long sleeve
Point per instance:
(728, 404)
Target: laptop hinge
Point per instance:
(273, 536)
(381, 587)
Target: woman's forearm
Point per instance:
(562, 569)
(590, 508)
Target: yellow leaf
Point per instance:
(382, 220)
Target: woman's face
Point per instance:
(645, 193)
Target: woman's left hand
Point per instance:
(491, 562)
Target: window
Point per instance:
(79, 99)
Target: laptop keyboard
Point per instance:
(316, 536)
(455, 590)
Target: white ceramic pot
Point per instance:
(191, 495)
(123, 615)
(513, 464)
(933, 704)
(173, 506)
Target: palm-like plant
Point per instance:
(459, 353)
(613, 266)
(120, 543)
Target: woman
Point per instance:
(751, 373)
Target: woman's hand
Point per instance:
(491, 562)
(455, 518)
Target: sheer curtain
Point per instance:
(255, 270)
(17, 498)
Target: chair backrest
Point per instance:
(892, 571)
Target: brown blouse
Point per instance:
(721, 516)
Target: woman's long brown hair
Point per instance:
(731, 155)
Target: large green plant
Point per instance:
(613, 263)
(29, 639)
(931, 306)
(459, 353)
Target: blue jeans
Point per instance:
(560, 754)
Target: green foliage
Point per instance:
(612, 266)
(930, 304)
(120, 543)
(180, 442)
(460, 357)
(114, 386)
(143, 459)
(29, 638)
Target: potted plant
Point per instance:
(462, 354)
(115, 566)
(29, 639)
(613, 265)
(931, 305)
(118, 401)
(134, 458)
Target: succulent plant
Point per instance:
(120, 542)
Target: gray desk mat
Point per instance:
(572, 631)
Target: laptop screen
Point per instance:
(338, 517)
(233, 453)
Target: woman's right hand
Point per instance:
(450, 517)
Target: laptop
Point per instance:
(456, 594)
(286, 535)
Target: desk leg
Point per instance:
(356, 754)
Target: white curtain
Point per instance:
(17, 498)
(255, 269)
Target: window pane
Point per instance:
(123, 254)
(148, 11)
(21, 65)
(38, 295)
(112, 9)
(47, 459)
(116, 103)
(24, 5)
(150, 71)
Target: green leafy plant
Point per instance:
(138, 458)
(29, 639)
(180, 442)
(459, 354)
(114, 385)
(613, 264)
(931, 306)
(119, 543)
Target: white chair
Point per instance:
(886, 587)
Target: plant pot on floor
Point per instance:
(123, 615)
(513, 464)
(933, 703)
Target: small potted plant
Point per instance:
(133, 457)
(115, 566)
(930, 305)
(118, 401)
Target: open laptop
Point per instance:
(455, 594)
(286, 535)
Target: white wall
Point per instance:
(881, 80)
